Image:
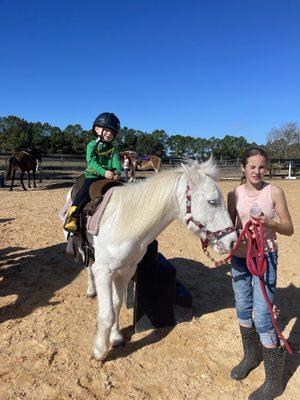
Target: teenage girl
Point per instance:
(259, 339)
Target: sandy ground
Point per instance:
(47, 323)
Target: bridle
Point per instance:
(212, 238)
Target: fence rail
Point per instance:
(68, 166)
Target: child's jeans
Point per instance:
(82, 197)
(249, 300)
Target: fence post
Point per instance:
(290, 172)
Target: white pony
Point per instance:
(133, 218)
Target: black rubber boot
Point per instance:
(274, 361)
(252, 353)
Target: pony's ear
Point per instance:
(185, 169)
(210, 167)
(191, 173)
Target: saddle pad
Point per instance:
(64, 210)
(92, 222)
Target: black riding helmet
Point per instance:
(109, 121)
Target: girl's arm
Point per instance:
(285, 226)
(231, 201)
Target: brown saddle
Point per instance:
(96, 191)
(99, 188)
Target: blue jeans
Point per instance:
(82, 197)
(249, 300)
(126, 170)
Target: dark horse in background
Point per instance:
(24, 161)
(141, 163)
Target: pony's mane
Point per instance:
(139, 206)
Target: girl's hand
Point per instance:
(109, 175)
(116, 177)
(265, 220)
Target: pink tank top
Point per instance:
(244, 202)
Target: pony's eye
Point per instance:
(212, 203)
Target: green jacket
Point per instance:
(101, 157)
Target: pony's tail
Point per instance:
(9, 168)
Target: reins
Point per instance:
(254, 233)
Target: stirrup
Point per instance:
(71, 249)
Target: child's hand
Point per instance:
(109, 175)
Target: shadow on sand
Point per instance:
(211, 289)
(2, 220)
(288, 301)
(59, 185)
(33, 276)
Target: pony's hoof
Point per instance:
(91, 294)
(91, 291)
(99, 356)
(117, 340)
(117, 345)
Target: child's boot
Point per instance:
(71, 220)
(252, 353)
(274, 361)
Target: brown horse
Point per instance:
(149, 162)
(141, 164)
(25, 161)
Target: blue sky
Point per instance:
(195, 67)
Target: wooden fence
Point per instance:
(68, 167)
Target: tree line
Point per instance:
(17, 133)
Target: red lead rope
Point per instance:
(254, 232)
